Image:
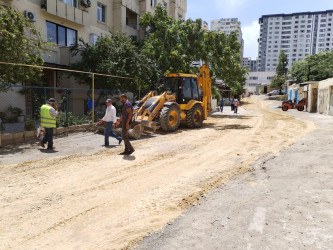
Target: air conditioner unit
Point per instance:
(86, 3)
(30, 15)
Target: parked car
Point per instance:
(275, 92)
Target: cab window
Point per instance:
(195, 89)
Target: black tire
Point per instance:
(300, 108)
(195, 116)
(284, 107)
(170, 118)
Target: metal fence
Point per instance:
(20, 104)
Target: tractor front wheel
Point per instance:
(195, 116)
(170, 118)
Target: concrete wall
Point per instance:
(13, 98)
(325, 96)
(312, 97)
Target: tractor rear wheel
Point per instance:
(284, 107)
(195, 116)
(170, 118)
(300, 108)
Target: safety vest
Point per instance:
(46, 120)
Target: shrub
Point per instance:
(29, 125)
(72, 119)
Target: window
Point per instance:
(323, 25)
(92, 39)
(187, 93)
(70, 2)
(131, 19)
(195, 89)
(153, 3)
(253, 78)
(60, 35)
(100, 12)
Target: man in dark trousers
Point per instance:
(48, 116)
(221, 104)
(126, 118)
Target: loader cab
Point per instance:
(185, 88)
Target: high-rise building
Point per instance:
(297, 34)
(205, 25)
(227, 25)
(250, 64)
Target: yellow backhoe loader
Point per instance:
(186, 99)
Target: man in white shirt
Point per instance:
(110, 118)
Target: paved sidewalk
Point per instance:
(64, 145)
(285, 203)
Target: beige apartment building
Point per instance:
(65, 21)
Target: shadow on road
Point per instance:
(242, 117)
(48, 151)
(129, 157)
(13, 149)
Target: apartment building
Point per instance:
(227, 25)
(297, 34)
(65, 21)
(250, 64)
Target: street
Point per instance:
(98, 199)
(285, 202)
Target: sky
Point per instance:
(248, 12)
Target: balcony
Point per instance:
(65, 11)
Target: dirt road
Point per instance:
(107, 201)
(285, 202)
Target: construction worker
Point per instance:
(236, 105)
(48, 116)
(126, 119)
(221, 104)
(110, 118)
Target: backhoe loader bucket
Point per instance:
(135, 132)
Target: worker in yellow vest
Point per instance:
(48, 116)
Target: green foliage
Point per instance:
(114, 54)
(281, 71)
(315, 68)
(278, 81)
(284, 98)
(175, 44)
(299, 71)
(20, 42)
(216, 93)
(72, 119)
(15, 110)
(225, 60)
(282, 66)
(29, 125)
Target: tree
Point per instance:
(20, 42)
(175, 44)
(281, 71)
(114, 54)
(225, 60)
(316, 67)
